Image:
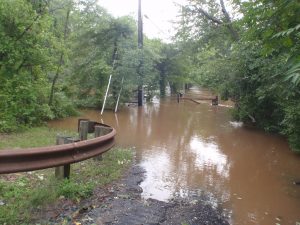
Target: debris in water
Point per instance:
(297, 182)
(236, 124)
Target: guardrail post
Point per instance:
(83, 130)
(215, 101)
(101, 131)
(62, 172)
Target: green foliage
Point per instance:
(27, 55)
(62, 106)
(291, 123)
(72, 190)
(23, 103)
(23, 31)
(259, 71)
(22, 194)
(33, 137)
(58, 55)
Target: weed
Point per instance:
(34, 137)
(22, 193)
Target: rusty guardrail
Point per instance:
(22, 160)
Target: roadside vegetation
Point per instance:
(33, 137)
(57, 55)
(23, 194)
(248, 51)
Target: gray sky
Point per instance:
(159, 12)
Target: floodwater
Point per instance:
(189, 148)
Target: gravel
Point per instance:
(121, 203)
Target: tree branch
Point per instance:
(209, 17)
(39, 14)
(61, 60)
(227, 17)
(28, 28)
(228, 21)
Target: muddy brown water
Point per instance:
(188, 148)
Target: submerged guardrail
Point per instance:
(22, 160)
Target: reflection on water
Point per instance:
(158, 183)
(192, 148)
(209, 156)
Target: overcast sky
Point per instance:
(159, 12)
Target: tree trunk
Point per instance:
(228, 22)
(162, 85)
(61, 60)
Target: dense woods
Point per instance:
(248, 51)
(56, 56)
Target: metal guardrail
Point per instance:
(22, 160)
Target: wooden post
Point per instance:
(83, 130)
(101, 131)
(215, 101)
(97, 131)
(140, 96)
(63, 172)
(98, 134)
(78, 125)
(67, 171)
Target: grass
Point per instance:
(22, 193)
(34, 137)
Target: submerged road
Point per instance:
(189, 148)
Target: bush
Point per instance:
(291, 124)
(23, 103)
(62, 106)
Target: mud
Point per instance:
(121, 203)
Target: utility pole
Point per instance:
(140, 46)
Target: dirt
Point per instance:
(121, 203)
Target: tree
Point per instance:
(258, 68)
(62, 33)
(24, 58)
